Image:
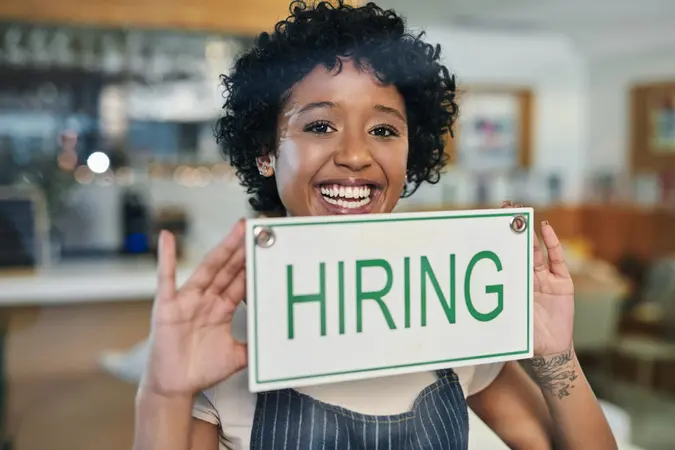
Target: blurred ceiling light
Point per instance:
(190, 178)
(202, 176)
(67, 160)
(221, 170)
(98, 162)
(180, 175)
(83, 175)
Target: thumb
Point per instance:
(166, 271)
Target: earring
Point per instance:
(266, 169)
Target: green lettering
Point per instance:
(341, 295)
(490, 289)
(293, 299)
(448, 305)
(406, 290)
(372, 295)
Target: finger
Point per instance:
(166, 269)
(556, 255)
(236, 290)
(217, 258)
(539, 259)
(507, 204)
(229, 271)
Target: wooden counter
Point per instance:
(57, 323)
(237, 17)
(58, 397)
(224, 16)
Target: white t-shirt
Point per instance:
(231, 405)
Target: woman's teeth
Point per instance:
(346, 196)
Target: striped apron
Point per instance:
(289, 420)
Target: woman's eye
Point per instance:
(384, 131)
(320, 127)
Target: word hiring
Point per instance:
(427, 276)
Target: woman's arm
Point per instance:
(166, 423)
(191, 346)
(578, 419)
(558, 409)
(555, 409)
(514, 408)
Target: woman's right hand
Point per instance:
(191, 344)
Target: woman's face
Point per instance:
(343, 144)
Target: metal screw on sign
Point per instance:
(518, 224)
(264, 237)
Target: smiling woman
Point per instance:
(339, 111)
(337, 98)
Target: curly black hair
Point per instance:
(376, 40)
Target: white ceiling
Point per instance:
(598, 27)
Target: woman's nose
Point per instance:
(354, 154)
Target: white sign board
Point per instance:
(350, 297)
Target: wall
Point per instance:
(212, 210)
(551, 66)
(610, 83)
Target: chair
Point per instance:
(659, 293)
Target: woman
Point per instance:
(340, 111)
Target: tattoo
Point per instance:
(555, 374)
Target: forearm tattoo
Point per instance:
(555, 374)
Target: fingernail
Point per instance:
(506, 203)
(544, 222)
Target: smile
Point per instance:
(348, 197)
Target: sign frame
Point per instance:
(254, 242)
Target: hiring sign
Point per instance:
(350, 297)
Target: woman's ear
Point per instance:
(266, 165)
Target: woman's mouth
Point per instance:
(352, 198)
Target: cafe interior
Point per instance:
(107, 112)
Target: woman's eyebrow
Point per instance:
(316, 105)
(389, 110)
(326, 104)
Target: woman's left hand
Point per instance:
(553, 295)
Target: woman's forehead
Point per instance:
(345, 84)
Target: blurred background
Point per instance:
(107, 111)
